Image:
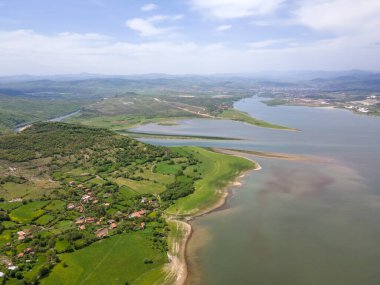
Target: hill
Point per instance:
(66, 187)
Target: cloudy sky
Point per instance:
(187, 36)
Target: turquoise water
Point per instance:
(292, 222)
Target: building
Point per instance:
(113, 226)
(101, 233)
(70, 206)
(137, 214)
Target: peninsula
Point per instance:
(78, 204)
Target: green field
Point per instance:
(217, 170)
(28, 212)
(115, 260)
(44, 220)
(55, 205)
(167, 168)
(12, 190)
(142, 187)
(5, 237)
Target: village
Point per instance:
(120, 191)
(90, 217)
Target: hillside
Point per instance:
(65, 187)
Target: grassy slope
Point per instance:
(115, 260)
(217, 170)
(236, 115)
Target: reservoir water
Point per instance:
(293, 222)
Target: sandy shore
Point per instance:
(273, 155)
(177, 268)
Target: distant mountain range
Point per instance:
(288, 76)
(97, 85)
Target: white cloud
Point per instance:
(148, 27)
(230, 9)
(149, 7)
(144, 27)
(354, 25)
(280, 43)
(25, 51)
(340, 16)
(223, 28)
(160, 18)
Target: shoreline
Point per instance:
(273, 155)
(177, 268)
(182, 254)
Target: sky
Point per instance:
(43, 37)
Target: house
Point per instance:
(89, 220)
(80, 209)
(144, 200)
(12, 267)
(70, 206)
(20, 255)
(72, 183)
(82, 227)
(113, 226)
(2, 274)
(100, 233)
(142, 225)
(21, 235)
(86, 198)
(137, 214)
(80, 221)
(28, 250)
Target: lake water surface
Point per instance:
(293, 222)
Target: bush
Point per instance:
(177, 190)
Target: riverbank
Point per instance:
(277, 155)
(178, 249)
(181, 230)
(150, 135)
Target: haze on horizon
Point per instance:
(188, 36)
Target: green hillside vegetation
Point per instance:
(217, 170)
(69, 193)
(236, 115)
(15, 110)
(116, 260)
